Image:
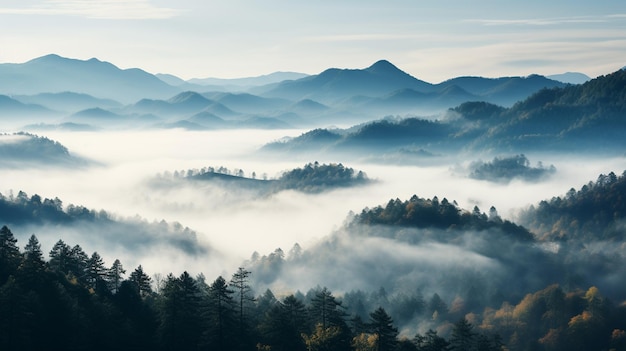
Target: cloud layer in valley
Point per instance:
(235, 223)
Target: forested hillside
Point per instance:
(595, 213)
(312, 178)
(586, 118)
(29, 150)
(35, 212)
(71, 300)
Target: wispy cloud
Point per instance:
(541, 21)
(362, 37)
(102, 9)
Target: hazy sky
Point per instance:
(432, 40)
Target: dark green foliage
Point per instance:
(10, 255)
(508, 168)
(42, 308)
(589, 214)
(381, 325)
(240, 283)
(312, 178)
(431, 342)
(284, 324)
(463, 337)
(219, 316)
(181, 326)
(479, 110)
(426, 213)
(142, 281)
(25, 210)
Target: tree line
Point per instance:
(73, 301)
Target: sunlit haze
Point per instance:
(431, 40)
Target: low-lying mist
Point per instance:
(235, 223)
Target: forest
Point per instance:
(68, 299)
(312, 178)
(74, 301)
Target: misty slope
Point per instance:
(471, 260)
(503, 91)
(595, 213)
(134, 235)
(383, 85)
(333, 96)
(29, 150)
(56, 74)
(578, 118)
(11, 109)
(590, 115)
(67, 102)
(334, 84)
(245, 83)
(505, 169)
(421, 244)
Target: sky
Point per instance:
(431, 40)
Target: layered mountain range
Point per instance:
(63, 90)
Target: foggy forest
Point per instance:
(354, 209)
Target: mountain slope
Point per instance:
(56, 74)
(336, 84)
(67, 101)
(503, 91)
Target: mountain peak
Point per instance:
(48, 58)
(382, 66)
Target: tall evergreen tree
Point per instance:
(142, 280)
(463, 336)
(10, 256)
(30, 271)
(381, 325)
(284, 325)
(78, 263)
(96, 272)
(239, 282)
(59, 257)
(114, 276)
(180, 313)
(219, 315)
(325, 309)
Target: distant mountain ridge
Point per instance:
(331, 97)
(55, 74)
(574, 118)
(265, 79)
(384, 79)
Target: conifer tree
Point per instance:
(381, 325)
(142, 281)
(114, 276)
(10, 256)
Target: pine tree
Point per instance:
(96, 272)
(142, 280)
(114, 276)
(325, 309)
(77, 265)
(219, 314)
(10, 256)
(381, 325)
(463, 336)
(59, 257)
(32, 263)
(180, 313)
(239, 282)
